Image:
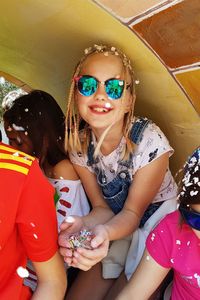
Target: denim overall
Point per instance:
(116, 191)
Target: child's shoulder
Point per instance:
(147, 135)
(173, 217)
(64, 170)
(170, 221)
(16, 161)
(142, 127)
(145, 122)
(138, 127)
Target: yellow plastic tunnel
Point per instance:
(42, 40)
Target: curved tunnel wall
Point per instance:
(42, 40)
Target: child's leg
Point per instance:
(113, 264)
(89, 285)
(116, 288)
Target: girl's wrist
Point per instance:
(107, 232)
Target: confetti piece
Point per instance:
(107, 105)
(18, 128)
(22, 272)
(16, 154)
(153, 236)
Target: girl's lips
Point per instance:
(99, 109)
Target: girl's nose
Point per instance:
(100, 92)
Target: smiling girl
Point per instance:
(122, 161)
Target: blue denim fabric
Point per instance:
(149, 212)
(116, 191)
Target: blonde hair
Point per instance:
(75, 142)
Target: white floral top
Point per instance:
(72, 199)
(153, 145)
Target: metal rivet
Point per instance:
(122, 175)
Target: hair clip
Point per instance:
(9, 99)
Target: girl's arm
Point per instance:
(145, 280)
(147, 182)
(145, 186)
(100, 213)
(52, 280)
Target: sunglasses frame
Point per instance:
(76, 79)
(192, 214)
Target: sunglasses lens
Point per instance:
(191, 218)
(114, 88)
(87, 85)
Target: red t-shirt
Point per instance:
(28, 226)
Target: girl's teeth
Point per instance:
(100, 109)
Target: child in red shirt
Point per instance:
(28, 229)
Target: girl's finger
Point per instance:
(96, 254)
(83, 263)
(66, 252)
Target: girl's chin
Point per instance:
(99, 127)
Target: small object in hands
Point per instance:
(81, 239)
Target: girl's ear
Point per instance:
(130, 102)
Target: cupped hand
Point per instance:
(85, 259)
(71, 224)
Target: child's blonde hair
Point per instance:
(73, 142)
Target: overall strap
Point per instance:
(136, 135)
(90, 153)
(137, 129)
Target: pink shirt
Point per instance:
(176, 246)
